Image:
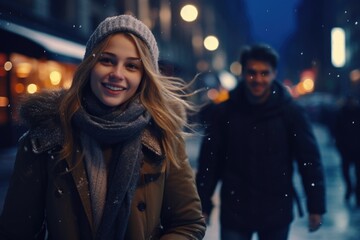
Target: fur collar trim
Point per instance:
(40, 112)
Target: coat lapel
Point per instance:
(82, 185)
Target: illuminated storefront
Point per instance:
(30, 62)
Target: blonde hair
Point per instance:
(164, 98)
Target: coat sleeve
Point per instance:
(211, 156)
(307, 154)
(23, 211)
(181, 211)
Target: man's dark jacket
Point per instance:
(250, 149)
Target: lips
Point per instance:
(256, 86)
(113, 87)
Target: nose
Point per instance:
(256, 76)
(117, 72)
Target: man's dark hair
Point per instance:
(259, 52)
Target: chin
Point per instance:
(258, 94)
(110, 103)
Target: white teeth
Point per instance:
(111, 87)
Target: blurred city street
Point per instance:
(6, 165)
(43, 42)
(341, 222)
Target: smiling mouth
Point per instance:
(112, 87)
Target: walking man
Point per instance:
(250, 145)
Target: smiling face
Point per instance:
(258, 77)
(117, 74)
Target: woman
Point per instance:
(106, 158)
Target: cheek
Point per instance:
(136, 83)
(94, 83)
(94, 74)
(249, 79)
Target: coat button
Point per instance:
(141, 206)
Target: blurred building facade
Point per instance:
(308, 53)
(42, 41)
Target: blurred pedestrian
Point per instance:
(249, 145)
(347, 139)
(106, 158)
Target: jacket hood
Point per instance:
(40, 110)
(40, 113)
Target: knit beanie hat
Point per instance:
(124, 23)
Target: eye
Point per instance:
(131, 66)
(251, 72)
(107, 61)
(265, 73)
(134, 66)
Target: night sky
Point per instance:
(272, 21)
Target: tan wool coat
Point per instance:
(44, 194)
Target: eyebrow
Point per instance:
(250, 70)
(128, 58)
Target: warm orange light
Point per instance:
(55, 77)
(218, 96)
(300, 89)
(222, 96)
(23, 70)
(32, 88)
(4, 101)
(8, 66)
(308, 85)
(67, 84)
(19, 88)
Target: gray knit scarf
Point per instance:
(111, 193)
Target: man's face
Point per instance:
(258, 77)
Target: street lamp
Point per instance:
(338, 47)
(189, 13)
(211, 43)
